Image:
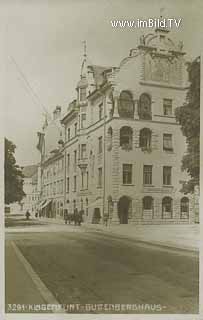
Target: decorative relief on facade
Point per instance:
(163, 69)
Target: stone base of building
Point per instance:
(149, 222)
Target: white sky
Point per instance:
(45, 39)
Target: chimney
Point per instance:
(57, 112)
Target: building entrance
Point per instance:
(123, 209)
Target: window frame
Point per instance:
(147, 175)
(165, 177)
(83, 120)
(129, 135)
(101, 111)
(145, 136)
(83, 151)
(100, 173)
(171, 208)
(165, 141)
(82, 94)
(126, 105)
(127, 174)
(188, 208)
(100, 145)
(167, 105)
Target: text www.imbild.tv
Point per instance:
(147, 23)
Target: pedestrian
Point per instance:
(66, 215)
(75, 214)
(36, 214)
(27, 214)
(106, 220)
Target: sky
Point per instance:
(43, 42)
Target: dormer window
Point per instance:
(82, 94)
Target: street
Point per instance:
(81, 266)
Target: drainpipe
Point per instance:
(64, 165)
(104, 162)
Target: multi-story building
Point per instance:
(52, 167)
(122, 146)
(31, 189)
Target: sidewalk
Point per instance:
(176, 236)
(17, 279)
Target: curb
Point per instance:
(107, 231)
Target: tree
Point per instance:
(13, 175)
(188, 116)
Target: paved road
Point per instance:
(86, 267)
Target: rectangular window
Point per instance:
(67, 185)
(68, 134)
(100, 177)
(100, 144)
(82, 94)
(68, 162)
(87, 179)
(82, 180)
(167, 106)
(76, 127)
(83, 120)
(62, 185)
(167, 175)
(83, 151)
(127, 173)
(75, 183)
(147, 175)
(100, 111)
(167, 142)
(75, 160)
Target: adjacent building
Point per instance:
(117, 150)
(30, 188)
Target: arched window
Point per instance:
(145, 107)
(110, 137)
(126, 135)
(167, 208)
(126, 105)
(184, 208)
(147, 203)
(145, 138)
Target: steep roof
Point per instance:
(29, 171)
(98, 73)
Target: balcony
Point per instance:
(82, 163)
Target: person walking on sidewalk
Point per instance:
(66, 215)
(27, 214)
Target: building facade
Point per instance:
(31, 189)
(52, 167)
(121, 146)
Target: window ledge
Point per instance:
(167, 186)
(168, 150)
(128, 184)
(148, 185)
(126, 148)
